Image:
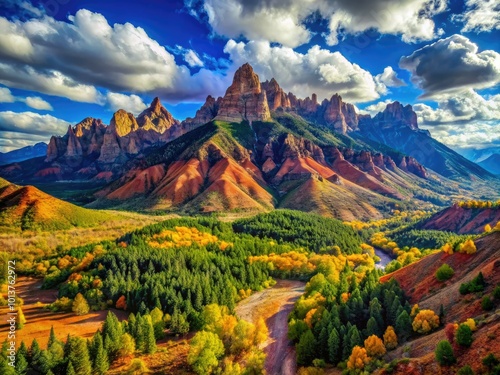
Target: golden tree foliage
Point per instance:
(261, 331)
(471, 323)
(390, 338)
(374, 346)
(184, 236)
(358, 359)
(487, 228)
(414, 310)
(468, 247)
(425, 321)
(497, 227)
(447, 249)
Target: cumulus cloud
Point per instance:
(71, 59)
(318, 71)
(6, 96)
(190, 56)
(38, 103)
(31, 101)
(32, 123)
(388, 78)
(452, 65)
(285, 21)
(466, 120)
(373, 109)
(480, 16)
(130, 103)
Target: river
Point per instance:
(384, 258)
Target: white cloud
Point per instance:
(130, 103)
(48, 82)
(388, 78)
(71, 59)
(192, 59)
(12, 141)
(373, 109)
(285, 21)
(452, 65)
(32, 123)
(233, 18)
(318, 71)
(6, 96)
(38, 103)
(466, 120)
(31, 101)
(480, 16)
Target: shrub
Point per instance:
(466, 370)
(445, 272)
(444, 353)
(477, 284)
(490, 361)
(464, 335)
(486, 303)
(496, 292)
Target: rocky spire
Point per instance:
(244, 99)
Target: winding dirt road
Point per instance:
(274, 305)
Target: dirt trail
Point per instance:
(274, 305)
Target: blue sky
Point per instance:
(64, 60)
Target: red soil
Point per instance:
(40, 320)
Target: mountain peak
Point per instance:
(156, 105)
(244, 99)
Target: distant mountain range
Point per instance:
(254, 149)
(25, 153)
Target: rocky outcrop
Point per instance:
(156, 118)
(206, 113)
(276, 97)
(409, 164)
(395, 115)
(334, 113)
(244, 99)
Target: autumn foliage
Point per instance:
(358, 359)
(390, 338)
(425, 321)
(374, 346)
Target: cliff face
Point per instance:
(244, 99)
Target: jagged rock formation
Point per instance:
(156, 118)
(206, 113)
(244, 99)
(276, 97)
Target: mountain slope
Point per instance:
(462, 220)
(24, 153)
(491, 164)
(27, 208)
(420, 284)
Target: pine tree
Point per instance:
(52, 338)
(306, 348)
(404, 326)
(334, 347)
(149, 335)
(21, 363)
(70, 370)
(372, 327)
(79, 356)
(101, 362)
(444, 353)
(35, 353)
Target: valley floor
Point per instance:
(274, 305)
(40, 320)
